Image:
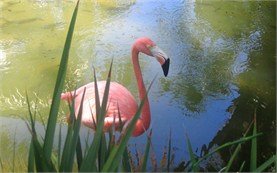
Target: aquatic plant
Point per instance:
(102, 155)
(194, 162)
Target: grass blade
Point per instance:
(253, 156)
(79, 153)
(111, 141)
(194, 166)
(31, 159)
(32, 130)
(239, 141)
(75, 135)
(59, 146)
(126, 166)
(102, 152)
(51, 125)
(90, 160)
(86, 143)
(97, 100)
(266, 164)
(146, 153)
(66, 148)
(114, 157)
(231, 160)
(42, 165)
(40, 161)
(242, 166)
(106, 93)
(68, 138)
(117, 151)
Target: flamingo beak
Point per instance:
(165, 67)
(161, 57)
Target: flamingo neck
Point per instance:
(144, 121)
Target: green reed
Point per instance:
(195, 162)
(102, 155)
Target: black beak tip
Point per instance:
(165, 67)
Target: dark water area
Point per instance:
(223, 68)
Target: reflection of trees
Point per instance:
(257, 89)
(215, 47)
(209, 55)
(202, 67)
(200, 79)
(184, 93)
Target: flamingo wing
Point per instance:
(120, 101)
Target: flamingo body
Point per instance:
(120, 100)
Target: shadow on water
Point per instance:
(256, 84)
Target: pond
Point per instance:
(223, 66)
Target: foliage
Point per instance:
(102, 155)
(194, 162)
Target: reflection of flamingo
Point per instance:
(120, 100)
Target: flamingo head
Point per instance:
(147, 46)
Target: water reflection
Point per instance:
(203, 62)
(222, 60)
(256, 79)
(3, 60)
(208, 64)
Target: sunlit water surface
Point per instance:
(222, 63)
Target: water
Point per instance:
(222, 54)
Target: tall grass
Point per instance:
(101, 155)
(194, 162)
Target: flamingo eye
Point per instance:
(149, 46)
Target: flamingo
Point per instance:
(120, 100)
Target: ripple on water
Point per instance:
(3, 61)
(240, 63)
(246, 45)
(9, 48)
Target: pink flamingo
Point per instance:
(120, 100)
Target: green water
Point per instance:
(32, 37)
(223, 65)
